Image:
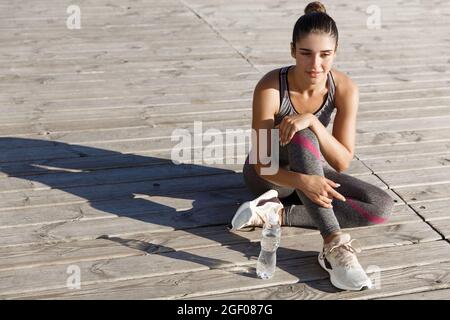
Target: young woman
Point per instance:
(299, 100)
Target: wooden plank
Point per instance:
(96, 163)
(239, 9)
(434, 210)
(169, 209)
(121, 128)
(171, 76)
(26, 256)
(239, 19)
(39, 197)
(402, 124)
(112, 176)
(193, 85)
(46, 153)
(114, 61)
(425, 193)
(47, 84)
(139, 101)
(78, 164)
(122, 58)
(130, 129)
(402, 151)
(175, 77)
(385, 235)
(250, 35)
(415, 282)
(53, 115)
(62, 121)
(110, 112)
(442, 226)
(36, 255)
(403, 137)
(201, 281)
(88, 90)
(42, 149)
(155, 99)
(133, 105)
(421, 177)
(135, 129)
(171, 96)
(47, 213)
(164, 187)
(140, 123)
(408, 163)
(162, 65)
(37, 151)
(121, 226)
(144, 159)
(264, 64)
(71, 176)
(150, 214)
(442, 294)
(120, 65)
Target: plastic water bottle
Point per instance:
(267, 260)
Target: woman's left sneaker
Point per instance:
(253, 213)
(338, 258)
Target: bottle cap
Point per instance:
(273, 218)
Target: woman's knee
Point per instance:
(385, 205)
(305, 141)
(307, 133)
(380, 211)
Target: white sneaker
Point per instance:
(338, 258)
(253, 213)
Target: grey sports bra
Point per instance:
(287, 108)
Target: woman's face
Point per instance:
(314, 55)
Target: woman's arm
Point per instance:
(265, 105)
(338, 149)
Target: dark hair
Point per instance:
(315, 20)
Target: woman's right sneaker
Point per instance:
(253, 213)
(338, 258)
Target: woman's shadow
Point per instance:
(139, 187)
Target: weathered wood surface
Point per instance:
(206, 278)
(442, 294)
(86, 120)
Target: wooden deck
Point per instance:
(86, 120)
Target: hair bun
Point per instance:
(315, 6)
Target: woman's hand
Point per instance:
(319, 190)
(291, 124)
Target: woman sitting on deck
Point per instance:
(299, 100)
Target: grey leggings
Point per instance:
(365, 204)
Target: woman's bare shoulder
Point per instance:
(266, 98)
(343, 82)
(347, 92)
(270, 80)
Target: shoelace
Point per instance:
(342, 256)
(262, 218)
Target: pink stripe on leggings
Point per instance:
(364, 213)
(305, 142)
